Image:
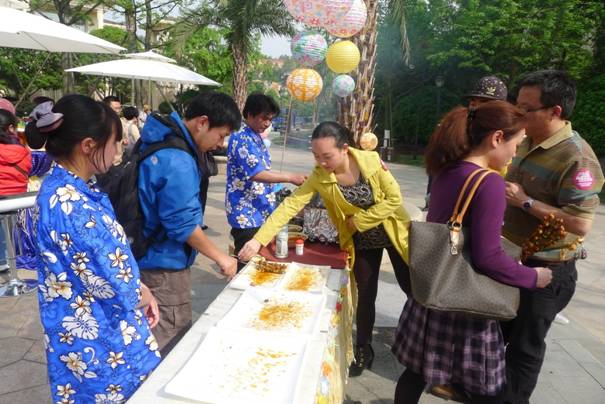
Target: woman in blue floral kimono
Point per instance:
(95, 312)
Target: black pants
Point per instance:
(366, 269)
(526, 333)
(241, 237)
(410, 386)
(205, 184)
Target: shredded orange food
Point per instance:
(304, 279)
(260, 278)
(277, 315)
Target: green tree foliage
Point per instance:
(464, 40)
(19, 67)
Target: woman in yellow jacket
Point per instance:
(364, 202)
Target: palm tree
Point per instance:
(357, 112)
(245, 20)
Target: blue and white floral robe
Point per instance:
(98, 345)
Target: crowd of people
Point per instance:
(109, 317)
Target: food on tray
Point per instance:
(279, 314)
(258, 277)
(261, 370)
(273, 267)
(304, 279)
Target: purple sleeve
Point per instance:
(487, 215)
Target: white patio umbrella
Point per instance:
(19, 29)
(145, 69)
(150, 55)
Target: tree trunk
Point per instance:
(356, 112)
(68, 78)
(240, 67)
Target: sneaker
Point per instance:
(561, 319)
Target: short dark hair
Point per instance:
(556, 88)
(130, 112)
(42, 98)
(6, 119)
(83, 117)
(334, 130)
(259, 103)
(110, 98)
(220, 109)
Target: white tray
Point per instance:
(245, 312)
(321, 273)
(243, 280)
(227, 368)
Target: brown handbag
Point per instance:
(441, 268)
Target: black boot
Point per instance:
(364, 356)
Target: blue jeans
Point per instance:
(2, 248)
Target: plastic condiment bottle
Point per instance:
(300, 246)
(281, 243)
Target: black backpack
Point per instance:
(121, 184)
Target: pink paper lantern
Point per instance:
(334, 10)
(309, 48)
(308, 12)
(350, 23)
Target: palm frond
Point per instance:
(398, 9)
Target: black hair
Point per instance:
(42, 98)
(110, 98)
(6, 119)
(334, 130)
(556, 88)
(130, 113)
(220, 109)
(83, 117)
(259, 103)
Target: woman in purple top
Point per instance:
(439, 347)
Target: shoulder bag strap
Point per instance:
(462, 192)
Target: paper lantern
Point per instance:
(309, 12)
(343, 57)
(368, 141)
(309, 48)
(334, 10)
(343, 85)
(350, 23)
(304, 84)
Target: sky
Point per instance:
(275, 46)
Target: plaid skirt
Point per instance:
(450, 348)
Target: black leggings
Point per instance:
(410, 386)
(366, 270)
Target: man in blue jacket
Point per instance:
(169, 196)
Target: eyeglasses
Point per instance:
(528, 110)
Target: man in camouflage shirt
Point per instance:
(555, 172)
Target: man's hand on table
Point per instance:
(228, 266)
(249, 250)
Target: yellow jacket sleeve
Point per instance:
(284, 212)
(381, 182)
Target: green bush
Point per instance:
(589, 114)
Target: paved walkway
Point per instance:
(573, 372)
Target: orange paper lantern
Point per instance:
(304, 84)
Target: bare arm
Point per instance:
(268, 176)
(205, 246)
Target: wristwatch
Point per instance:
(528, 204)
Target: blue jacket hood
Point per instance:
(156, 129)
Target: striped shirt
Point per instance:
(563, 172)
